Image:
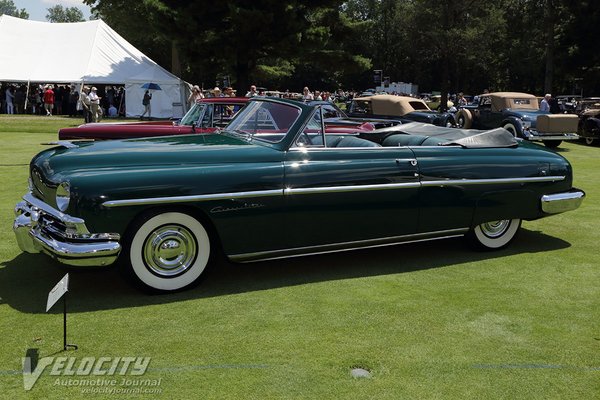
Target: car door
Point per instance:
(485, 116)
(350, 194)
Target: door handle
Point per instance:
(411, 161)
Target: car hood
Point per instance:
(151, 153)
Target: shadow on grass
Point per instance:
(26, 280)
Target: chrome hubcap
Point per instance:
(589, 140)
(495, 229)
(170, 250)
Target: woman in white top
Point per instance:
(195, 95)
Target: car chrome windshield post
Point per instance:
(322, 126)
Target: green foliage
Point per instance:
(59, 13)
(8, 7)
(464, 45)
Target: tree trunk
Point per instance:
(175, 61)
(445, 85)
(242, 75)
(549, 39)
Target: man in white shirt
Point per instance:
(545, 103)
(95, 104)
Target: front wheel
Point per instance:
(166, 251)
(512, 129)
(495, 234)
(589, 141)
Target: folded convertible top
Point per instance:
(469, 138)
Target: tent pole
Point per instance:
(26, 97)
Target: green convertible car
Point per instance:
(273, 184)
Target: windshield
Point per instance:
(265, 121)
(191, 117)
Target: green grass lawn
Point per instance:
(433, 320)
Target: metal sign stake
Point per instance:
(58, 291)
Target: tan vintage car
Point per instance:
(518, 113)
(403, 108)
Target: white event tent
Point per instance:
(86, 53)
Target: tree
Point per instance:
(264, 40)
(59, 13)
(7, 7)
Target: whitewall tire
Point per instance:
(511, 128)
(464, 119)
(167, 251)
(494, 234)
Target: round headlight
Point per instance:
(63, 196)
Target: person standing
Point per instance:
(195, 96)
(49, 100)
(545, 103)
(307, 95)
(84, 99)
(10, 109)
(146, 104)
(20, 100)
(252, 92)
(94, 104)
(229, 92)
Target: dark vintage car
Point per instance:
(274, 184)
(518, 113)
(206, 116)
(403, 108)
(337, 120)
(588, 110)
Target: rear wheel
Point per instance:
(552, 144)
(589, 141)
(464, 119)
(494, 234)
(166, 251)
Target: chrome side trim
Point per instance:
(350, 188)
(199, 197)
(321, 147)
(561, 202)
(325, 189)
(347, 246)
(461, 182)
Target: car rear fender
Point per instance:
(506, 204)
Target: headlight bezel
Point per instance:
(63, 196)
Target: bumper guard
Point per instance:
(41, 228)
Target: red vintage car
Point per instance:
(206, 116)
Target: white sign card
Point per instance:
(57, 292)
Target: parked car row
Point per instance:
(207, 116)
(276, 182)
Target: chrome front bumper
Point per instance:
(42, 228)
(561, 202)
